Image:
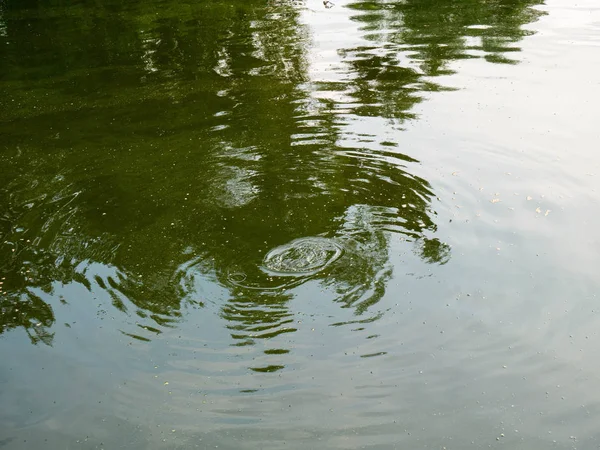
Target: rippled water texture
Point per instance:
(270, 224)
(300, 259)
(305, 256)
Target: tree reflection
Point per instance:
(176, 141)
(415, 40)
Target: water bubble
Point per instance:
(287, 265)
(302, 257)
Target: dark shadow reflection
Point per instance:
(154, 150)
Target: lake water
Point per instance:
(271, 224)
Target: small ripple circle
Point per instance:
(302, 257)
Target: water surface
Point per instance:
(274, 224)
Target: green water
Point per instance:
(272, 224)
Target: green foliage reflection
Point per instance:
(149, 147)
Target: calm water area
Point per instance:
(277, 224)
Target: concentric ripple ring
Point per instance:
(302, 257)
